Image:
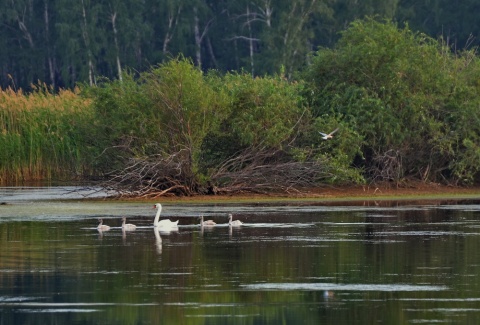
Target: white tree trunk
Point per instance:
(117, 48)
(198, 38)
(51, 68)
(86, 40)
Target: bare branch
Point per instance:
(243, 38)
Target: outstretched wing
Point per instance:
(331, 133)
(324, 134)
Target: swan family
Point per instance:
(231, 222)
(170, 224)
(166, 224)
(125, 226)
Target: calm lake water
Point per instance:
(301, 263)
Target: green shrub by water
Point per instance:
(412, 101)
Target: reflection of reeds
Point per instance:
(39, 139)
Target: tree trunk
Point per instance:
(250, 42)
(86, 40)
(198, 38)
(51, 68)
(172, 24)
(115, 38)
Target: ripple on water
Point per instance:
(427, 321)
(58, 310)
(342, 287)
(419, 233)
(7, 299)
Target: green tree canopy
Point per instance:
(407, 95)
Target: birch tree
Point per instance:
(202, 21)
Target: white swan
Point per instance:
(101, 226)
(207, 222)
(235, 222)
(328, 136)
(127, 226)
(162, 223)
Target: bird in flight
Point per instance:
(326, 136)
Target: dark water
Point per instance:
(297, 264)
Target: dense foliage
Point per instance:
(175, 129)
(405, 105)
(414, 104)
(65, 42)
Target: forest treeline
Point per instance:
(63, 42)
(406, 107)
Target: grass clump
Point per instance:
(41, 134)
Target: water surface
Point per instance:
(292, 264)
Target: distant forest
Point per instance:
(61, 43)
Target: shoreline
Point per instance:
(332, 195)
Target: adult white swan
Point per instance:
(233, 222)
(127, 226)
(207, 222)
(101, 226)
(167, 223)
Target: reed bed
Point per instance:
(41, 134)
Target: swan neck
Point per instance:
(155, 222)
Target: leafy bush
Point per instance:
(175, 129)
(406, 95)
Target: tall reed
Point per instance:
(41, 134)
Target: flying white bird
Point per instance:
(329, 135)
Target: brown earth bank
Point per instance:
(345, 194)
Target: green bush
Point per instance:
(409, 98)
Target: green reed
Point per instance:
(41, 135)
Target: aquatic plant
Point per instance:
(40, 134)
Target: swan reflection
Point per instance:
(158, 240)
(328, 294)
(100, 232)
(205, 228)
(124, 235)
